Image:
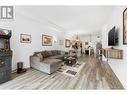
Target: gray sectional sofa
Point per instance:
(47, 61)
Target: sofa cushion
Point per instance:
(50, 53)
(58, 52)
(44, 53)
(56, 57)
(53, 57)
(51, 61)
(54, 52)
(39, 54)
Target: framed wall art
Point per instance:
(25, 38)
(125, 26)
(47, 40)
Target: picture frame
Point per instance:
(125, 26)
(67, 43)
(25, 38)
(47, 40)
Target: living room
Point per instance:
(64, 25)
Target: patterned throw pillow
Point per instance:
(50, 53)
(53, 52)
(58, 52)
(40, 56)
(44, 54)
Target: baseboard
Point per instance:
(14, 71)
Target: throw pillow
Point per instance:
(40, 56)
(50, 53)
(44, 54)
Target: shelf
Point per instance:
(113, 53)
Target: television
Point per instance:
(113, 37)
(2, 43)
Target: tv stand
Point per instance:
(113, 53)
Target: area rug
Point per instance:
(71, 70)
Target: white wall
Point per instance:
(118, 66)
(25, 24)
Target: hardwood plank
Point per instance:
(94, 75)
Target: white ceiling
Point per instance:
(73, 19)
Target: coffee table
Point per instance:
(70, 60)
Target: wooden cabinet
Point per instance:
(113, 53)
(5, 66)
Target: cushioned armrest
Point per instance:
(34, 59)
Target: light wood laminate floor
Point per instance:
(94, 75)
